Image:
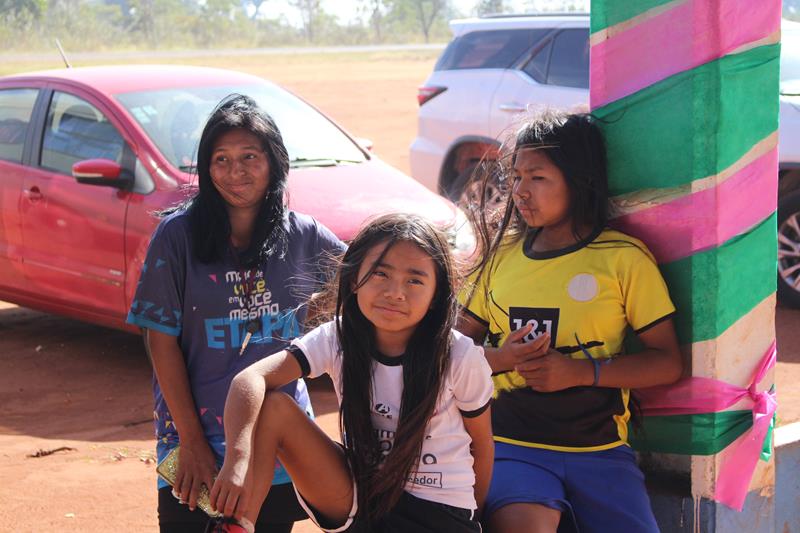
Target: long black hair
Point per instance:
(425, 362)
(208, 217)
(575, 145)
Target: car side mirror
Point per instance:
(364, 143)
(102, 172)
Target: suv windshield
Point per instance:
(174, 120)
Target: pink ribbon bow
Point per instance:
(697, 395)
(738, 466)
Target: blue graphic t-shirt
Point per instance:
(208, 306)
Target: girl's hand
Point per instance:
(230, 492)
(554, 371)
(516, 351)
(196, 467)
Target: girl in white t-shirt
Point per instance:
(413, 393)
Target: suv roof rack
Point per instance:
(534, 14)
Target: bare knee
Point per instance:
(524, 518)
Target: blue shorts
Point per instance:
(595, 491)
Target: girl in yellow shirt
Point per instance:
(553, 297)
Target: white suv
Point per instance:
(493, 69)
(496, 67)
(789, 165)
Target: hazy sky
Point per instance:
(347, 10)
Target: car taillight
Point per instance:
(426, 92)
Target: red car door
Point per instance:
(73, 233)
(16, 111)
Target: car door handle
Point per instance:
(33, 194)
(512, 107)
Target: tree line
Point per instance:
(84, 25)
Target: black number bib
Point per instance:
(543, 320)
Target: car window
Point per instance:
(174, 120)
(16, 107)
(75, 131)
(537, 66)
(489, 49)
(569, 59)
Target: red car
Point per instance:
(87, 155)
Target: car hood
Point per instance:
(345, 196)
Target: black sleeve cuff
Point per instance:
(477, 412)
(473, 316)
(655, 323)
(301, 358)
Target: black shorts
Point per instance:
(415, 515)
(280, 510)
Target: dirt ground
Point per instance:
(85, 390)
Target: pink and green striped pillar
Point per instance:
(688, 94)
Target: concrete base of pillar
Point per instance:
(765, 511)
(677, 513)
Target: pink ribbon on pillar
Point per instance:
(739, 464)
(697, 395)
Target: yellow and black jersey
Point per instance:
(589, 294)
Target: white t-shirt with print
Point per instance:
(444, 473)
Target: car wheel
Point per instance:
(789, 249)
(465, 191)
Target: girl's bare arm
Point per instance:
(482, 448)
(658, 364)
(246, 396)
(242, 410)
(197, 464)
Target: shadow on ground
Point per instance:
(64, 379)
